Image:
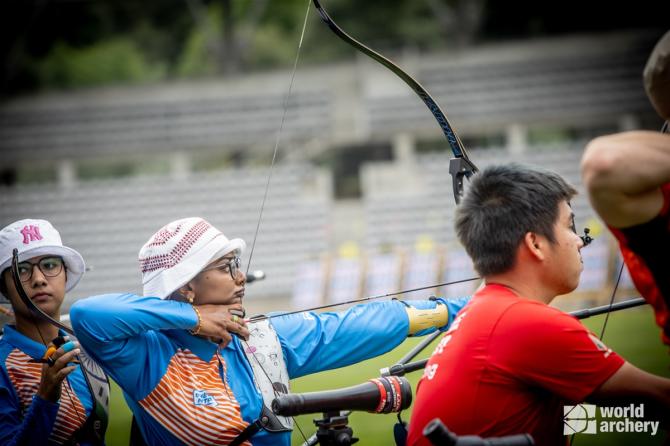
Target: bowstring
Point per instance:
(33, 318)
(267, 187)
(664, 129)
(66, 382)
(607, 316)
(269, 179)
(37, 313)
(616, 286)
(364, 299)
(279, 134)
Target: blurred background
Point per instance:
(117, 117)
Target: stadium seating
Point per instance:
(149, 124)
(585, 82)
(108, 221)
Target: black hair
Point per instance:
(3, 286)
(501, 205)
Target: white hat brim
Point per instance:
(162, 285)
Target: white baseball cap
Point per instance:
(35, 238)
(179, 251)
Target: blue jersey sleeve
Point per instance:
(121, 333)
(313, 342)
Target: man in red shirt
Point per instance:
(509, 362)
(628, 179)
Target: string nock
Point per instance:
(586, 238)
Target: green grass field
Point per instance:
(631, 333)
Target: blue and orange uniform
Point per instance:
(25, 418)
(183, 389)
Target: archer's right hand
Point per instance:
(219, 324)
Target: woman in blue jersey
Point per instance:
(194, 372)
(44, 395)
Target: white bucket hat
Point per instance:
(179, 251)
(35, 238)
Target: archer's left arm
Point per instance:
(626, 193)
(313, 342)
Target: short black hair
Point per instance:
(502, 204)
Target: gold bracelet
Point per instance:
(196, 330)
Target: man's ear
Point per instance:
(535, 245)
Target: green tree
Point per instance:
(111, 61)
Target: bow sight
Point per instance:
(586, 238)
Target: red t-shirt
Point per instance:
(645, 250)
(507, 366)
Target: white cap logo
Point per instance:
(30, 233)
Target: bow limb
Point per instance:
(95, 378)
(588, 240)
(460, 166)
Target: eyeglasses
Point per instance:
(232, 266)
(49, 266)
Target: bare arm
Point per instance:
(623, 174)
(631, 383)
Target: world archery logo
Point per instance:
(579, 419)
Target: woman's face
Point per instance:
(43, 279)
(220, 282)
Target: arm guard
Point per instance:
(426, 318)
